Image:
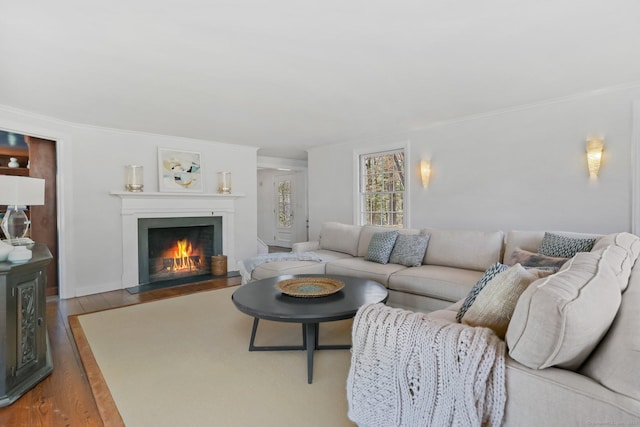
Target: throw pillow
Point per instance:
(530, 259)
(494, 305)
(561, 319)
(628, 246)
(489, 274)
(381, 246)
(409, 249)
(556, 245)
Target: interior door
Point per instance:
(284, 210)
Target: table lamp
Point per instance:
(16, 192)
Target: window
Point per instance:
(382, 188)
(285, 217)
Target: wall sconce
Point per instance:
(425, 172)
(594, 156)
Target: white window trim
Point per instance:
(408, 173)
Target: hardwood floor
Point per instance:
(64, 398)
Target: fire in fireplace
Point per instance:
(175, 248)
(182, 258)
(178, 252)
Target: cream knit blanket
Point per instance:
(409, 370)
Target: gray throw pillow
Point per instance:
(409, 249)
(489, 274)
(381, 246)
(564, 247)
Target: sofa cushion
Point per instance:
(530, 259)
(435, 281)
(447, 313)
(358, 267)
(328, 256)
(488, 275)
(273, 269)
(628, 246)
(559, 320)
(409, 249)
(339, 237)
(471, 250)
(380, 246)
(495, 303)
(561, 398)
(615, 363)
(555, 245)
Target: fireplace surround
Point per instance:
(150, 205)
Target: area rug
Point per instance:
(185, 361)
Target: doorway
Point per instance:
(36, 158)
(282, 207)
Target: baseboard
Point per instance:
(96, 289)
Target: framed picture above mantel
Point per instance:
(179, 171)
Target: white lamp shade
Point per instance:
(21, 190)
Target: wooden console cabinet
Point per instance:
(24, 345)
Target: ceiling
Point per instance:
(288, 75)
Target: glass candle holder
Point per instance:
(224, 182)
(134, 178)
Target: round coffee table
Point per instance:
(261, 300)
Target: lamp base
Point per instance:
(15, 223)
(19, 255)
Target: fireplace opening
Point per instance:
(177, 248)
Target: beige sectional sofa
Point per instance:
(573, 341)
(452, 264)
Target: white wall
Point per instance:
(266, 205)
(91, 164)
(524, 168)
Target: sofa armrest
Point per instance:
(305, 246)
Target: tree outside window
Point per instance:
(382, 188)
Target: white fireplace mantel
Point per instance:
(170, 205)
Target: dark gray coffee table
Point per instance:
(261, 300)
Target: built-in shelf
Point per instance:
(4, 170)
(186, 194)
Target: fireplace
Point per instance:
(149, 205)
(177, 248)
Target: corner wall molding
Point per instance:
(635, 168)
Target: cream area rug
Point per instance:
(184, 361)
